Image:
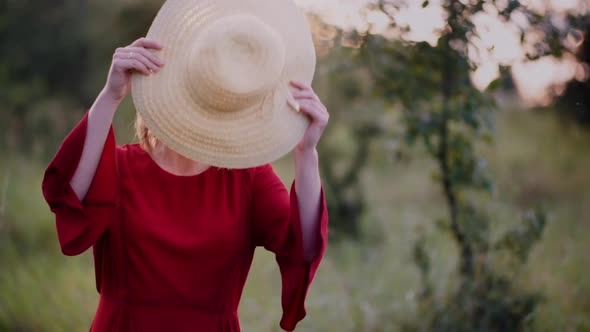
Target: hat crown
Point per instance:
(235, 62)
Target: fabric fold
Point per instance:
(81, 223)
(297, 275)
(277, 227)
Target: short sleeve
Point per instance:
(277, 227)
(81, 224)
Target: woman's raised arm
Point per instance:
(126, 60)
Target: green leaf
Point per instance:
(520, 240)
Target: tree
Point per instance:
(53, 60)
(444, 112)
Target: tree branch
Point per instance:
(449, 190)
(4, 197)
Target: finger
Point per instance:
(300, 85)
(132, 64)
(140, 57)
(147, 43)
(313, 104)
(152, 66)
(146, 53)
(316, 112)
(305, 94)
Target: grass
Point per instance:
(369, 286)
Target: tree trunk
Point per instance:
(466, 261)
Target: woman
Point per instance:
(173, 239)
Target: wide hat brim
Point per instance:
(248, 137)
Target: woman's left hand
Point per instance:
(310, 104)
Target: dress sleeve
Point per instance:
(277, 227)
(81, 224)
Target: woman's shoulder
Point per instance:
(261, 173)
(128, 154)
(129, 150)
(129, 147)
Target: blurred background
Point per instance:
(455, 164)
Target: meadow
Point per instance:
(368, 285)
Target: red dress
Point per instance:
(172, 253)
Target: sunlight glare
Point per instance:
(498, 42)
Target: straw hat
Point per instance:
(223, 97)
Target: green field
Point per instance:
(367, 286)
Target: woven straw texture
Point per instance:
(223, 97)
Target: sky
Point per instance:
(533, 79)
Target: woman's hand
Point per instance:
(310, 104)
(126, 60)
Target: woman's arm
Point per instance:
(307, 176)
(100, 118)
(134, 57)
(308, 188)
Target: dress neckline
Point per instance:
(153, 164)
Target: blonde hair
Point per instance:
(145, 137)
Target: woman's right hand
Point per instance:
(126, 60)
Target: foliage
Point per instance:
(346, 146)
(440, 108)
(34, 67)
(576, 99)
(53, 60)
